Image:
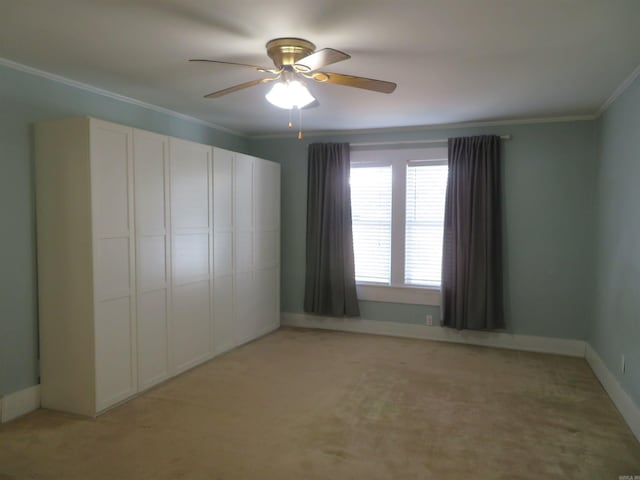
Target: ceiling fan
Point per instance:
(295, 60)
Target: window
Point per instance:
(371, 212)
(424, 220)
(397, 202)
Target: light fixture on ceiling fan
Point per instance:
(295, 60)
(290, 94)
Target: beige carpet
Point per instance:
(301, 404)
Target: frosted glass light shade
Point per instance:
(289, 94)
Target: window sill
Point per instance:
(398, 294)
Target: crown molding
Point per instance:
(618, 91)
(115, 96)
(423, 128)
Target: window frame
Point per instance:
(399, 158)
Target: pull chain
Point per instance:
(299, 122)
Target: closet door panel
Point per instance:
(110, 157)
(112, 268)
(223, 254)
(190, 187)
(152, 264)
(222, 189)
(255, 320)
(192, 253)
(111, 152)
(150, 181)
(223, 333)
(112, 208)
(115, 361)
(244, 251)
(244, 192)
(151, 185)
(241, 289)
(244, 321)
(153, 358)
(191, 257)
(191, 333)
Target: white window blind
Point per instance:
(371, 214)
(426, 188)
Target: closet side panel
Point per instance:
(65, 266)
(267, 244)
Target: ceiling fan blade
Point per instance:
(240, 86)
(313, 104)
(320, 59)
(254, 67)
(357, 82)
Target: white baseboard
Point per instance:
(19, 403)
(574, 348)
(625, 404)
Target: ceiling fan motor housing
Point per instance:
(287, 51)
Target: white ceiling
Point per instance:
(454, 60)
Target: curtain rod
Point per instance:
(414, 142)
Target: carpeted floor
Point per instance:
(303, 404)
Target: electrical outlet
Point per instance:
(430, 320)
(622, 364)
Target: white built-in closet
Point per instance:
(154, 255)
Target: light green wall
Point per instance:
(25, 99)
(616, 323)
(549, 182)
(550, 230)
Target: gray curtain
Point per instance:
(472, 249)
(330, 285)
